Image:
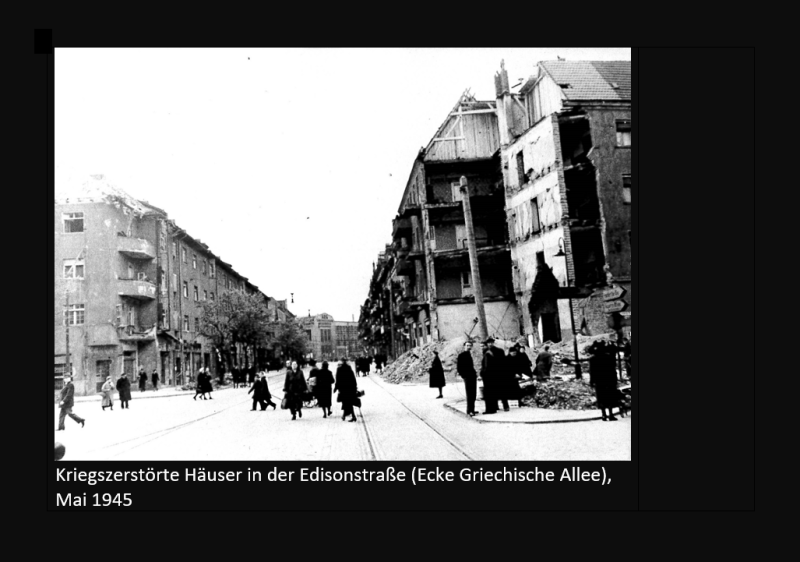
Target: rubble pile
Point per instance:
(412, 366)
(560, 395)
(564, 354)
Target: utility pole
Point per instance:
(66, 329)
(473, 259)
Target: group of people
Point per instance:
(242, 376)
(203, 384)
(499, 372)
(154, 378)
(321, 385)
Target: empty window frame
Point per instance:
(183, 254)
(197, 324)
(74, 315)
(521, 178)
(196, 294)
(185, 289)
(73, 269)
(205, 295)
(213, 269)
(73, 222)
(174, 250)
(212, 296)
(175, 284)
(205, 267)
(624, 132)
(194, 261)
(536, 224)
(186, 323)
(466, 279)
(626, 188)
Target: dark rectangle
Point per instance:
(43, 41)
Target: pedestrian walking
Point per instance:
(436, 374)
(154, 379)
(206, 385)
(295, 389)
(124, 391)
(266, 395)
(544, 361)
(516, 366)
(492, 375)
(466, 370)
(108, 394)
(142, 379)
(323, 389)
(603, 377)
(257, 395)
(347, 387)
(66, 401)
(198, 386)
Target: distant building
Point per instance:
(129, 288)
(331, 339)
(566, 151)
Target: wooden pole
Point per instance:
(473, 260)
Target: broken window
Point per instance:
(174, 249)
(466, 279)
(196, 323)
(194, 261)
(74, 315)
(73, 222)
(212, 296)
(205, 267)
(624, 133)
(73, 269)
(205, 295)
(175, 284)
(535, 224)
(196, 294)
(183, 254)
(185, 289)
(626, 188)
(521, 169)
(455, 187)
(186, 323)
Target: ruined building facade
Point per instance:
(566, 159)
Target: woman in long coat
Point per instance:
(108, 394)
(347, 387)
(323, 388)
(124, 390)
(266, 395)
(516, 364)
(603, 377)
(295, 389)
(437, 374)
(206, 384)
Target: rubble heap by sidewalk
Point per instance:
(413, 365)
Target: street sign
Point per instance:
(614, 293)
(615, 306)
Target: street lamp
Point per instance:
(561, 253)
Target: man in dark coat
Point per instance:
(295, 388)
(603, 377)
(466, 370)
(142, 379)
(257, 395)
(437, 374)
(543, 363)
(347, 387)
(266, 395)
(492, 374)
(66, 401)
(124, 390)
(154, 379)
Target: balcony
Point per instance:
(137, 289)
(400, 227)
(137, 248)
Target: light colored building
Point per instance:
(331, 339)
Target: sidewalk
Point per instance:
(162, 392)
(526, 414)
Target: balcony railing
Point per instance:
(136, 289)
(137, 248)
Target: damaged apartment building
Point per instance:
(129, 289)
(433, 286)
(566, 161)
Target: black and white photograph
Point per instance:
(343, 254)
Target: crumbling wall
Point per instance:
(456, 320)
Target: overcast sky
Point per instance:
(288, 163)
